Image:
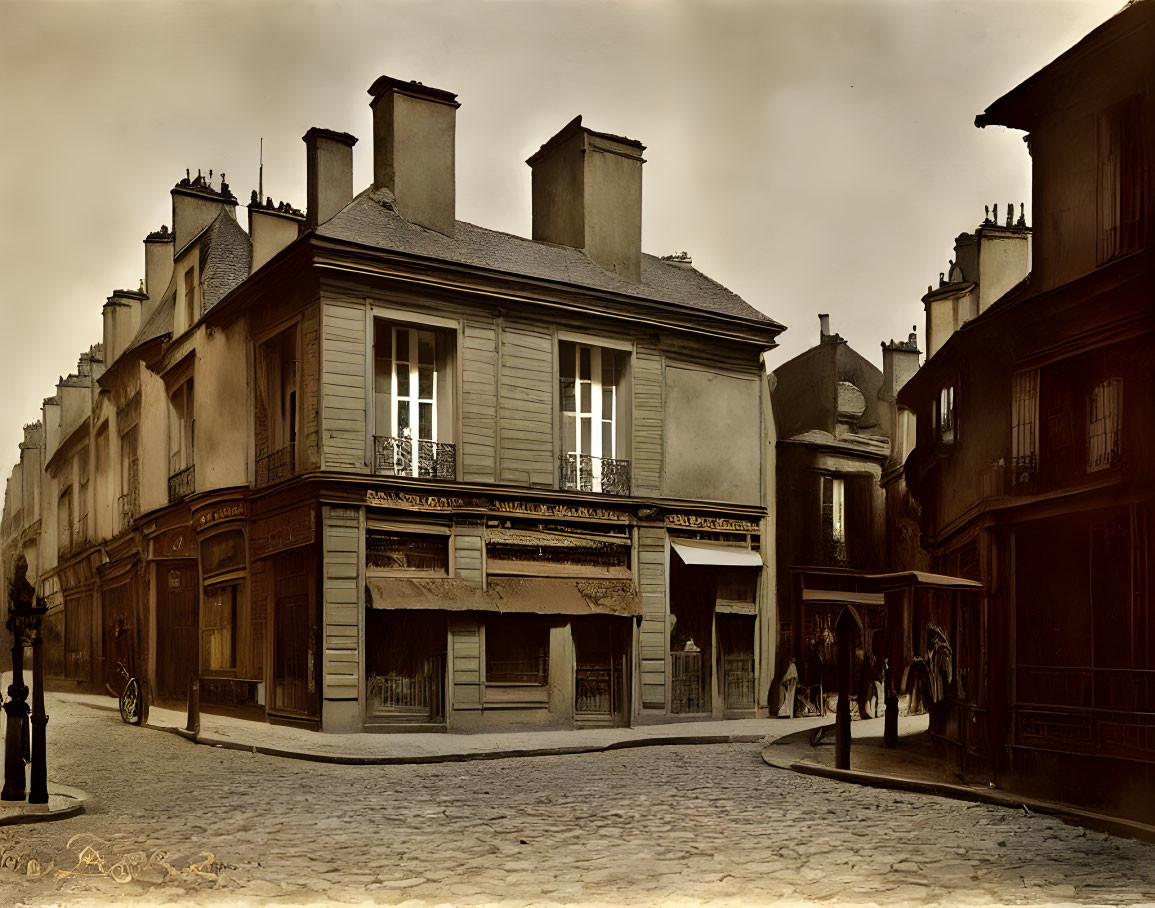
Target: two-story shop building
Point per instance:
(398, 470)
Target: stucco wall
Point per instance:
(713, 437)
(223, 411)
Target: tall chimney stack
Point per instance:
(158, 259)
(328, 174)
(414, 139)
(587, 193)
(195, 205)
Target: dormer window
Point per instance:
(189, 297)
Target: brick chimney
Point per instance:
(587, 193)
(328, 174)
(195, 205)
(414, 139)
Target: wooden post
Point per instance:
(845, 637)
(194, 707)
(890, 723)
(38, 782)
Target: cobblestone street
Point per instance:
(684, 824)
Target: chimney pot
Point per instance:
(823, 326)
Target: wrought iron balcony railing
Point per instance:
(431, 460)
(275, 466)
(585, 473)
(181, 483)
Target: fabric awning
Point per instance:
(443, 594)
(843, 596)
(551, 596)
(735, 607)
(923, 578)
(514, 595)
(716, 555)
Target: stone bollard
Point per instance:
(194, 707)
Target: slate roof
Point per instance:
(225, 254)
(370, 220)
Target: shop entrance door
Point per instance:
(294, 637)
(176, 628)
(736, 642)
(599, 692)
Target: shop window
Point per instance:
(276, 408)
(1122, 180)
(218, 628)
(1104, 415)
(413, 402)
(517, 650)
(592, 402)
(407, 553)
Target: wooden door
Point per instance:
(176, 628)
(119, 633)
(598, 691)
(736, 639)
(294, 638)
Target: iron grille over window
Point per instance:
(583, 472)
(276, 466)
(395, 457)
(1104, 412)
(180, 484)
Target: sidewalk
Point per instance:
(426, 747)
(916, 765)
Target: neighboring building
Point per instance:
(1035, 444)
(374, 466)
(832, 445)
(986, 264)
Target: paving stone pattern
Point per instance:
(175, 823)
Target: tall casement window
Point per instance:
(1123, 180)
(276, 408)
(946, 417)
(129, 500)
(833, 520)
(1104, 417)
(82, 498)
(181, 436)
(593, 410)
(1025, 423)
(189, 306)
(64, 528)
(413, 387)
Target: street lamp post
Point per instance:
(25, 611)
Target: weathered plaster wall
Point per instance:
(712, 438)
(223, 407)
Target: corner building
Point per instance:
(425, 475)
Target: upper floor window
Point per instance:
(946, 417)
(833, 518)
(1104, 417)
(1025, 422)
(276, 407)
(129, 501)
(181, 436)
(189, 306)
(413, 395)
(64, 528)
(1122, 180)
(593, 411)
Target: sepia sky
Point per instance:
(812, 155)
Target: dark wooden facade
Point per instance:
(1035, 435)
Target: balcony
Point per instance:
(1012, 476)
(276, 466)
(395, 457)
(181, 484)
(585, 473)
